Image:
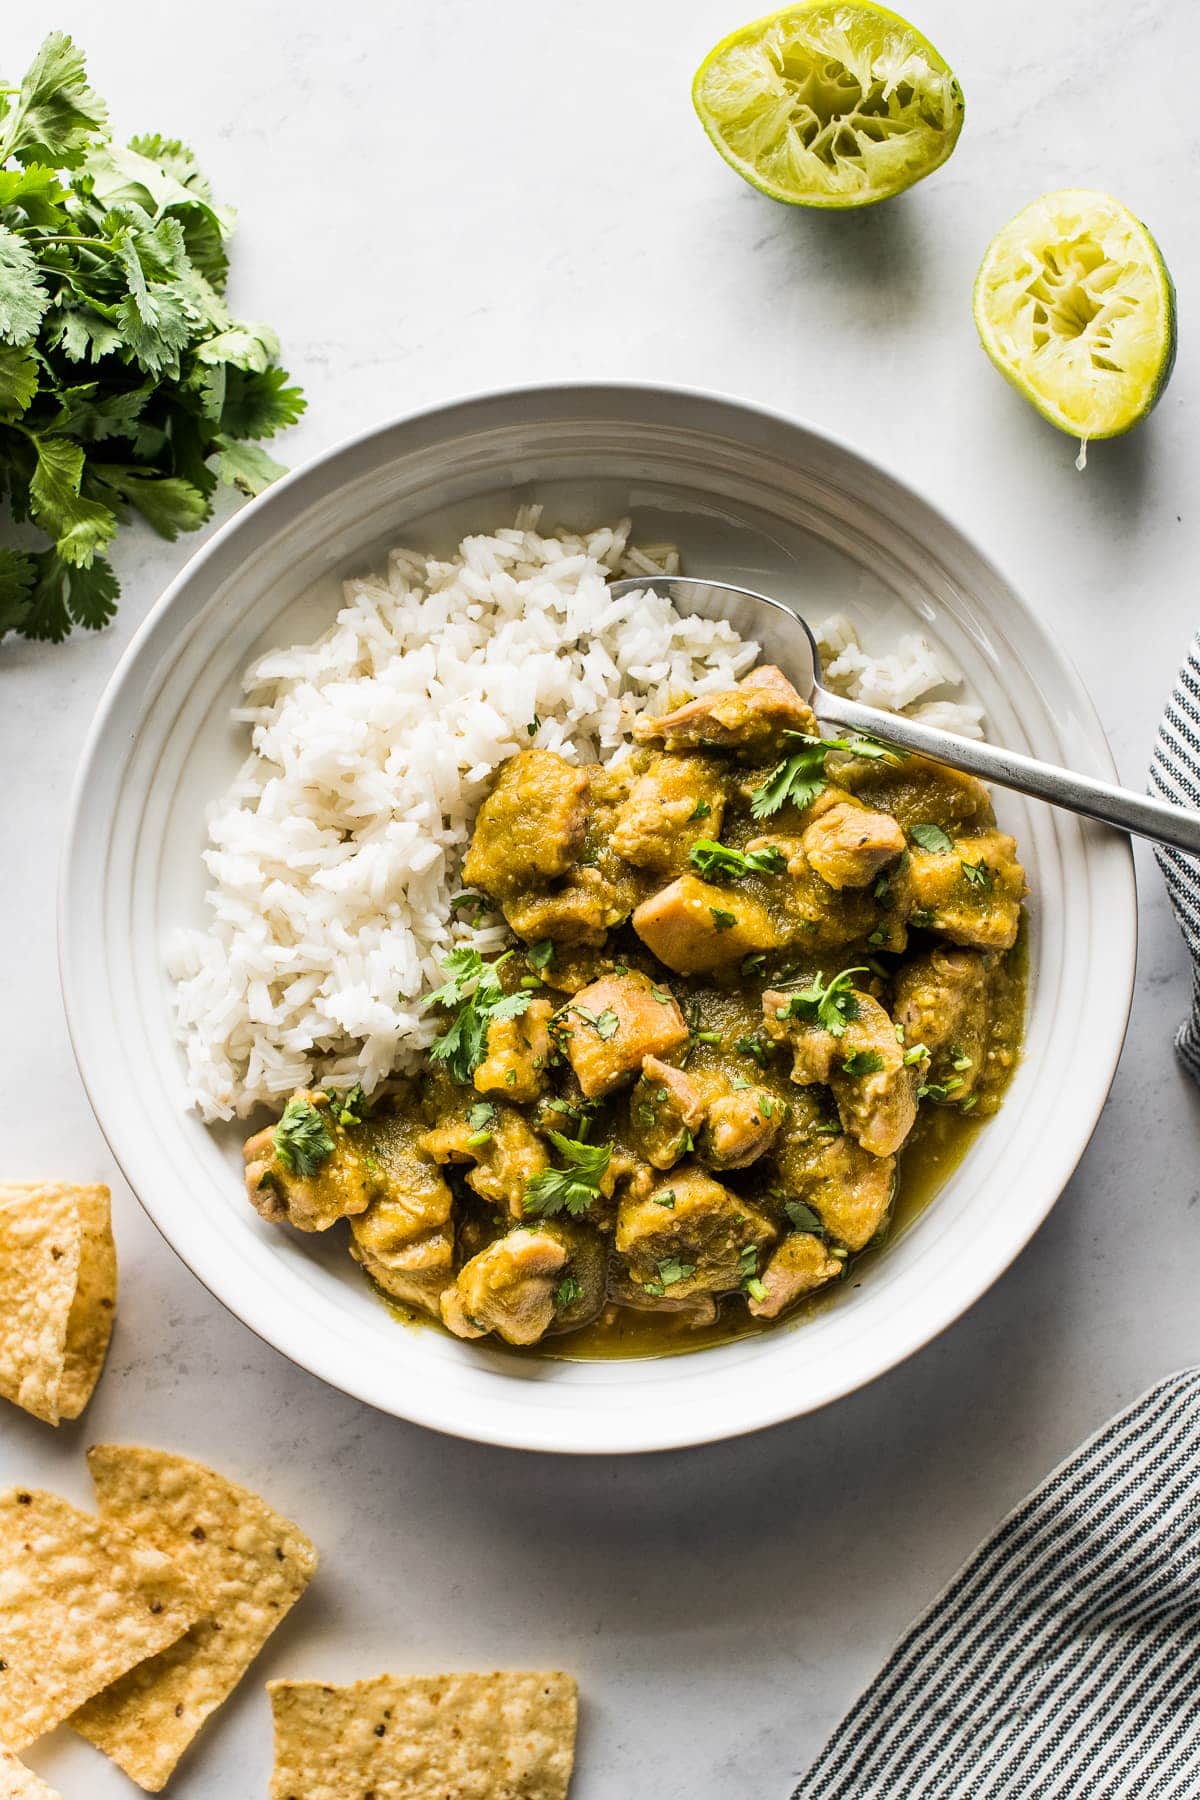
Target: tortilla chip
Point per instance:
(248, 1566)
(81, 1601)
(19, 1783)
(508, 1736)
(58, 1289)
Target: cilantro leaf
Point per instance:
(35, 192)
(165, 502)
(711, 858)
(475, 989)
(78, 526)
(55, 114)
(23, 297)
(303, 1140)
(17, 576)
(830, 1007)
(803, 1217)
(931, 837)
(92, 593)
(19, 376)
(246, 466)
(800, 778)
(258, 404)
(979, 875)
(863, 1062)
(574, 1187)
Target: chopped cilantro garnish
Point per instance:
(748, 1260)
(606, 1024)
(803, 1217)
(474, 989)
(701, 810)
(863, 1062)
(661, 995)
(350, 1107)
(915, 1054)
(671, 1271)
(724, 921)
(711, 858)
(801, 777)
(931, 837)
(828, 1006)
(754, 964)
(303, 1140)
(939, 1090)
(979, 875)
(755, 1288)
(567, 1293)
(666, 1198)
(574, 1187)
(541, 954)
(755, 1047)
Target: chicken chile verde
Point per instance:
(759, 983)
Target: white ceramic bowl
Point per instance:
(750, 497)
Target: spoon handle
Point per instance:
(1140, 814)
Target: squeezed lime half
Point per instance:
(1075, 306)
(827, 104)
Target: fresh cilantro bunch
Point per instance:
(125, 382)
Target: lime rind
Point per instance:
(829, 104)
(1076, 308)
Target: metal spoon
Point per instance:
(787, 641)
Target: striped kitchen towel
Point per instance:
(1175, 774)
(1064, 1658)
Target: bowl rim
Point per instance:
(1121, 894)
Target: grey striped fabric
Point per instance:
(1064, 1658)
(1175, 774)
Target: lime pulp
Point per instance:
(1075, 306)
(831, 103)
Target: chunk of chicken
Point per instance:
(748, 717)
(972, 892)
(405, 1238)
(582, 1289)
(695, 928)
(915, 791)
(666, 1108)
(848, 1188)
(678, 800)
(340, 1184)
(741, 1126)
(874, 1089)
(582, 911)
(530, 827)
(943, 1000)
(849, 845)
(690, 1235)
(610, 1028)
(517, 1058)
(799, 1266)
(508, 1288)
(819, 917)
(507, 1159)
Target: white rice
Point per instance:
(335, 854)
(905, 681)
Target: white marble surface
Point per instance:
(441, 195)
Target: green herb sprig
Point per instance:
(303, 1140)
(801, 777)
(126, 384)
(830, 1005)
(475, 990)
(574, 1187)
(711, 858)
